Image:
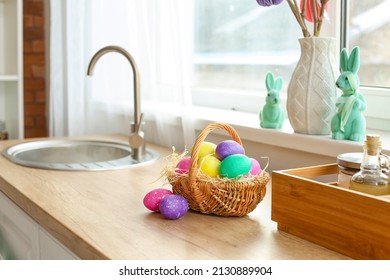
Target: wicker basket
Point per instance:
(222, 196)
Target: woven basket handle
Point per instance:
(200, 139)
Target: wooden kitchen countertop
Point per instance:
(100, 215)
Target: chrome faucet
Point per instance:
(136, 138)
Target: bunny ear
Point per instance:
(354, 60)
(344, 60)
(269, 81)
(278, 84)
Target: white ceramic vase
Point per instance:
(311, 93)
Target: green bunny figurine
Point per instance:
(272, 115)
(349, 122)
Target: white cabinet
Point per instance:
(11, 66)
(18, 232)
(21, 237)
(51, 249)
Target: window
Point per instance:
(369, 28)
(236, 42)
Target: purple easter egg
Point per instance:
(153, 198)
(173, 206)
(183, 165)
(227, 148)
(256, 168)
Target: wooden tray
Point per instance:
(349, 222)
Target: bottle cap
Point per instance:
(373, 144)
(350, 160)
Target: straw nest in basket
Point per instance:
(219, 196)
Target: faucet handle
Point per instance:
(136, 138)
(138, 123)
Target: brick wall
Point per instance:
(35, 121)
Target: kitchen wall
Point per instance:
(35, 97)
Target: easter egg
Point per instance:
(256, 167)
(206, 148)
(235, 166)
(227, 148)
(153, 198)
(210, 165)
(173, 206)
(183, 165)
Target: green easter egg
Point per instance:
(210, 166)
(235, 166)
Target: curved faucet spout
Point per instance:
(138, 152)
(103, 51)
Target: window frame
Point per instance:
(377, 116)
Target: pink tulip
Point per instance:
(309, 13)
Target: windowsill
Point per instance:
(247, 126)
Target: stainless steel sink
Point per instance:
(75, 155)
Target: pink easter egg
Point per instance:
(256, 168)
(183, 165)
(153, 198)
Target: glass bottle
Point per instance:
(370, 179)
(348, 164)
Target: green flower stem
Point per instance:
(321, 17)
(303, 11)
(314, 8)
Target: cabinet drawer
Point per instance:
(18, 232)
(52, 249)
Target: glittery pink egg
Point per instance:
(153, 198)
(173, 206)
(183, 165)
(256, 168)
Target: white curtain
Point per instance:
(156, 33)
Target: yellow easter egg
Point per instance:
(206, 148)
(210, 165)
